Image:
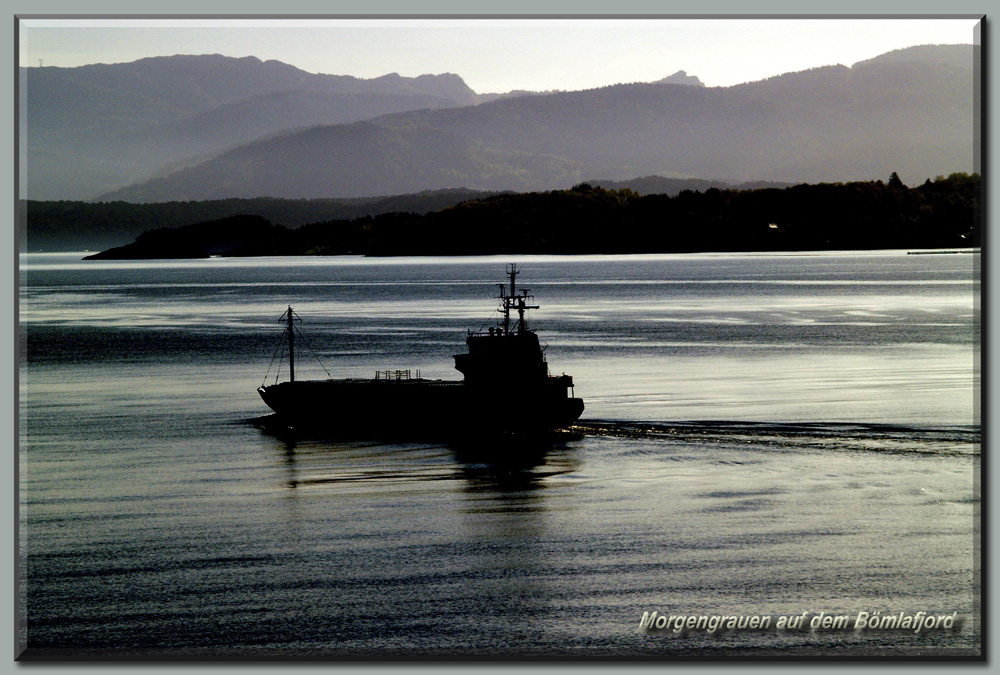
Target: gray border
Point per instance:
(20, 635)
(512, 9)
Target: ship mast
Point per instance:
(513, 301)
(291, 345)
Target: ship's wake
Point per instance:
(841, 436)
(962, 440)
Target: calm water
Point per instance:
(764, 435)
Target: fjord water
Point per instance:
(764, 435)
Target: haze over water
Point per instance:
(764, 435)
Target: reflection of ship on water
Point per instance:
(329, 463)
(479, 530)
(507, 388)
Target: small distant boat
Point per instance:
(507, 387)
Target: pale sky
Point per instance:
(499, 55)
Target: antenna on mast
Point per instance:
(511, 300)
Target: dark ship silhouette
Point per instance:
(506, 388)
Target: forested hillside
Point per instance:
(82, 226)
(587, 219)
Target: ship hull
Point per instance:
(440, 407)
(506, 389)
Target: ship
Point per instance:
(506, 387)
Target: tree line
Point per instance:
(76, 225)
(941, 213)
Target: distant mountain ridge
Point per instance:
(681, 77)
(214, 127)
(834, 123)
(951, 55)
(95, 127)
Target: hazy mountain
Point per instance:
(96, 127)
(200, 127)
(909, 111)
(959, 56)
(681, 77)
(259, 116)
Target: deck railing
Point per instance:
(395, 375)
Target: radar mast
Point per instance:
(512, 301)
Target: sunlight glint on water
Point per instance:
(157, 518)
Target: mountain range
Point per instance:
(99, 126)
(212, 127)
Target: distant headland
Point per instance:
(941, 213)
